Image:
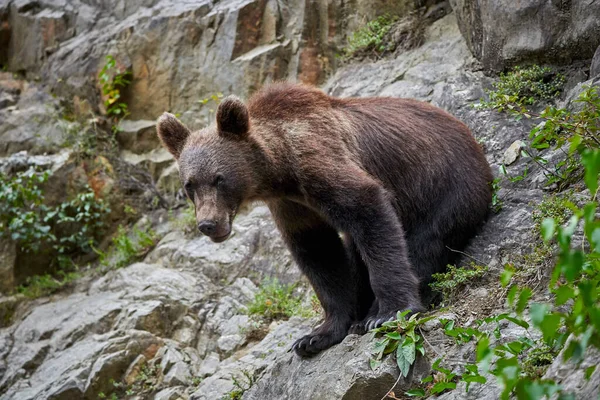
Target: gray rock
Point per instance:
(168, 181)
(155, 161)
(340, 372)
(595, 67)
(175, 393)
(179, 374)
(32, 123)
(210, 364)
(137, 136)
(501, 34)
(255, 248)
(252, 361)
(512, 153)
(242, 44)
(572, 377)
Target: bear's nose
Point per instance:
(207, 227)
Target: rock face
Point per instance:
(28, 118)
(178, 52)
(175, 326)
(504, 32)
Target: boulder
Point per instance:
(501, 33)
(156, 161)
(340, 372)
(137, 136)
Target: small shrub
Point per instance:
(448, 283)
(524, 86)
(44, 285)
(369, 38)
(112, 81)
(558, 207)
(401, 338)
(128, 247)
(538, 360)
(69, 228)
(276, 301)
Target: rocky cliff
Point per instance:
(173, 321)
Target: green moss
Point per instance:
(559, 207)
(524, 86)
(448, 283)
(369, 38)
(277, 301)
(129, 246)
(538, 360)
(44, 285)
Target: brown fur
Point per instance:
(401, 179)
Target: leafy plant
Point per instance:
(569, 131)
(71, 227)
(524, 86)
(440, 381)
(401, 338)
(558, 207)
(44, 285)
(277, 301)
(112, 81)
(129, 247)
(448, 283)
(369, 38)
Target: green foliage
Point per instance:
(448, 283)
(576, 131)
(22, 214)
(277, 301)
(524, 86)
(369, 38)
(113, 80)
(557, 207)
(128, 247)
(71, 227)
(44, 285)
(538, 360)
(401, 338)
(571, 319)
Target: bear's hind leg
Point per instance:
(319, 252)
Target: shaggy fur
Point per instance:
(402, 181)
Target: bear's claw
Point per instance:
(314, 343)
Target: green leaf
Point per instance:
(548, 228)
(442, 386)
(563, 294)
(415, 393)
(506, 275)
(591, 161)
(405, 356)
(523, 301)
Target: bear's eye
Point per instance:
(218, 180)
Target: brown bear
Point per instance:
(371, 195)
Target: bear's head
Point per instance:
(215, 165)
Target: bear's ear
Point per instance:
(232, 118)
(172, 133)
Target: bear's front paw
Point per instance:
(315, 342)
